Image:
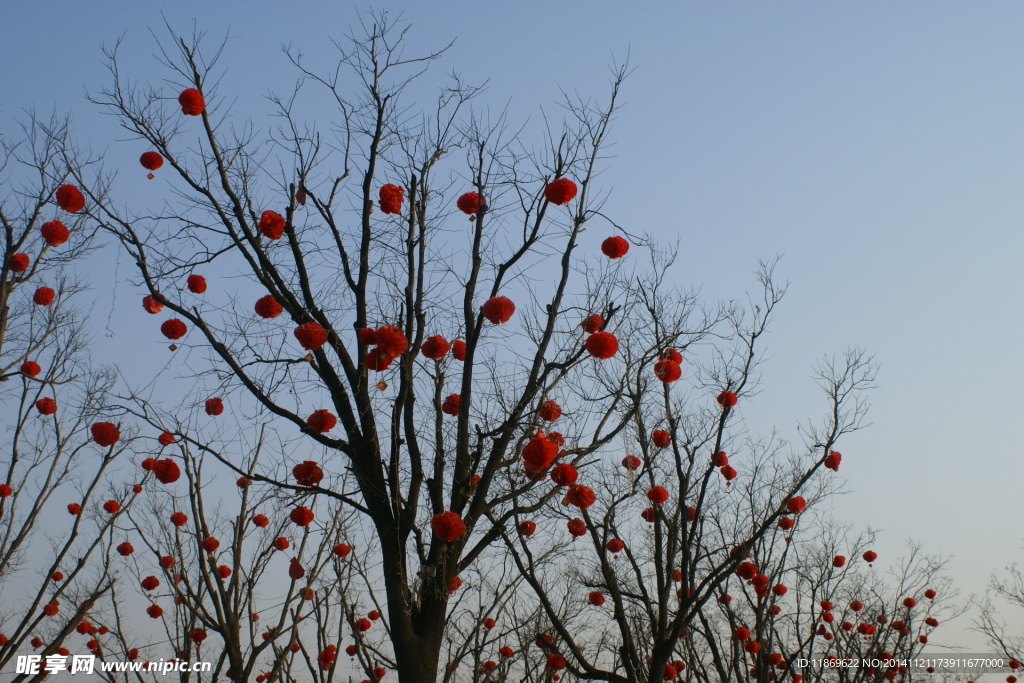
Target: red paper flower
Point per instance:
(302, 516)
(602, 345)
(173, 329)
(54, 233)
(267, 307)
(191, 101)
(69, 198)
(271, 225)
(105, 433)
(311, 336)
(322, 421)
(470, 202)
(43, 296)
(560, 191)
(448, 526)
(308, 473)
(18, 263)
(151, 161)
(498, 309)
(615, 247)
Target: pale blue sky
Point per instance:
(876, 145)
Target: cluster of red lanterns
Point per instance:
(668, 368)
(387, 343)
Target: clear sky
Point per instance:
(876, 145)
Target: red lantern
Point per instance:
(74, 508)
(43, 296)
(602, 345)
(69, 198)
(649, 515)
(267, 307)
(506, 651)
(742, 633)
(342, 550)
(435, 348)
(151, 161)
(18, 263)
(577, 527)
(470, 203)
(454, 585)
(526, 528)
(166, 471)
(592, 323)
(152, 304)
(661, 438)
(173, 329)
(729, 472)
(930, 594)
(856, 605)
(166, 439)
(111, 507)
(46, 406)
(311, 336)
(667, 371)
(125, 549)
(448, 526)
(779, 589)
(746, 570)
(5, 491)
(271, 225)
(391, 198)
(295, 570)
(450, 406)
(870, 556)
(392, 341)
(54, 233)
(549, 411)
(564, 474)
(150, 583)
(498, 309)
(214, 406)
(838, 561)
(301, 516)
(154, 611)
(727, 399)
(832, 460)
(105, 434)
(560, 191)
(191, 101)
(596, 598)
(796, 505)
(631, 463)
(308, 473)
(614, 545)
(657, 495)
(909, 603)
(615, 247)
(260, 521)
(196, 284)
(720, 459)
(322, 421)
(538, 453)
(459, 349)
